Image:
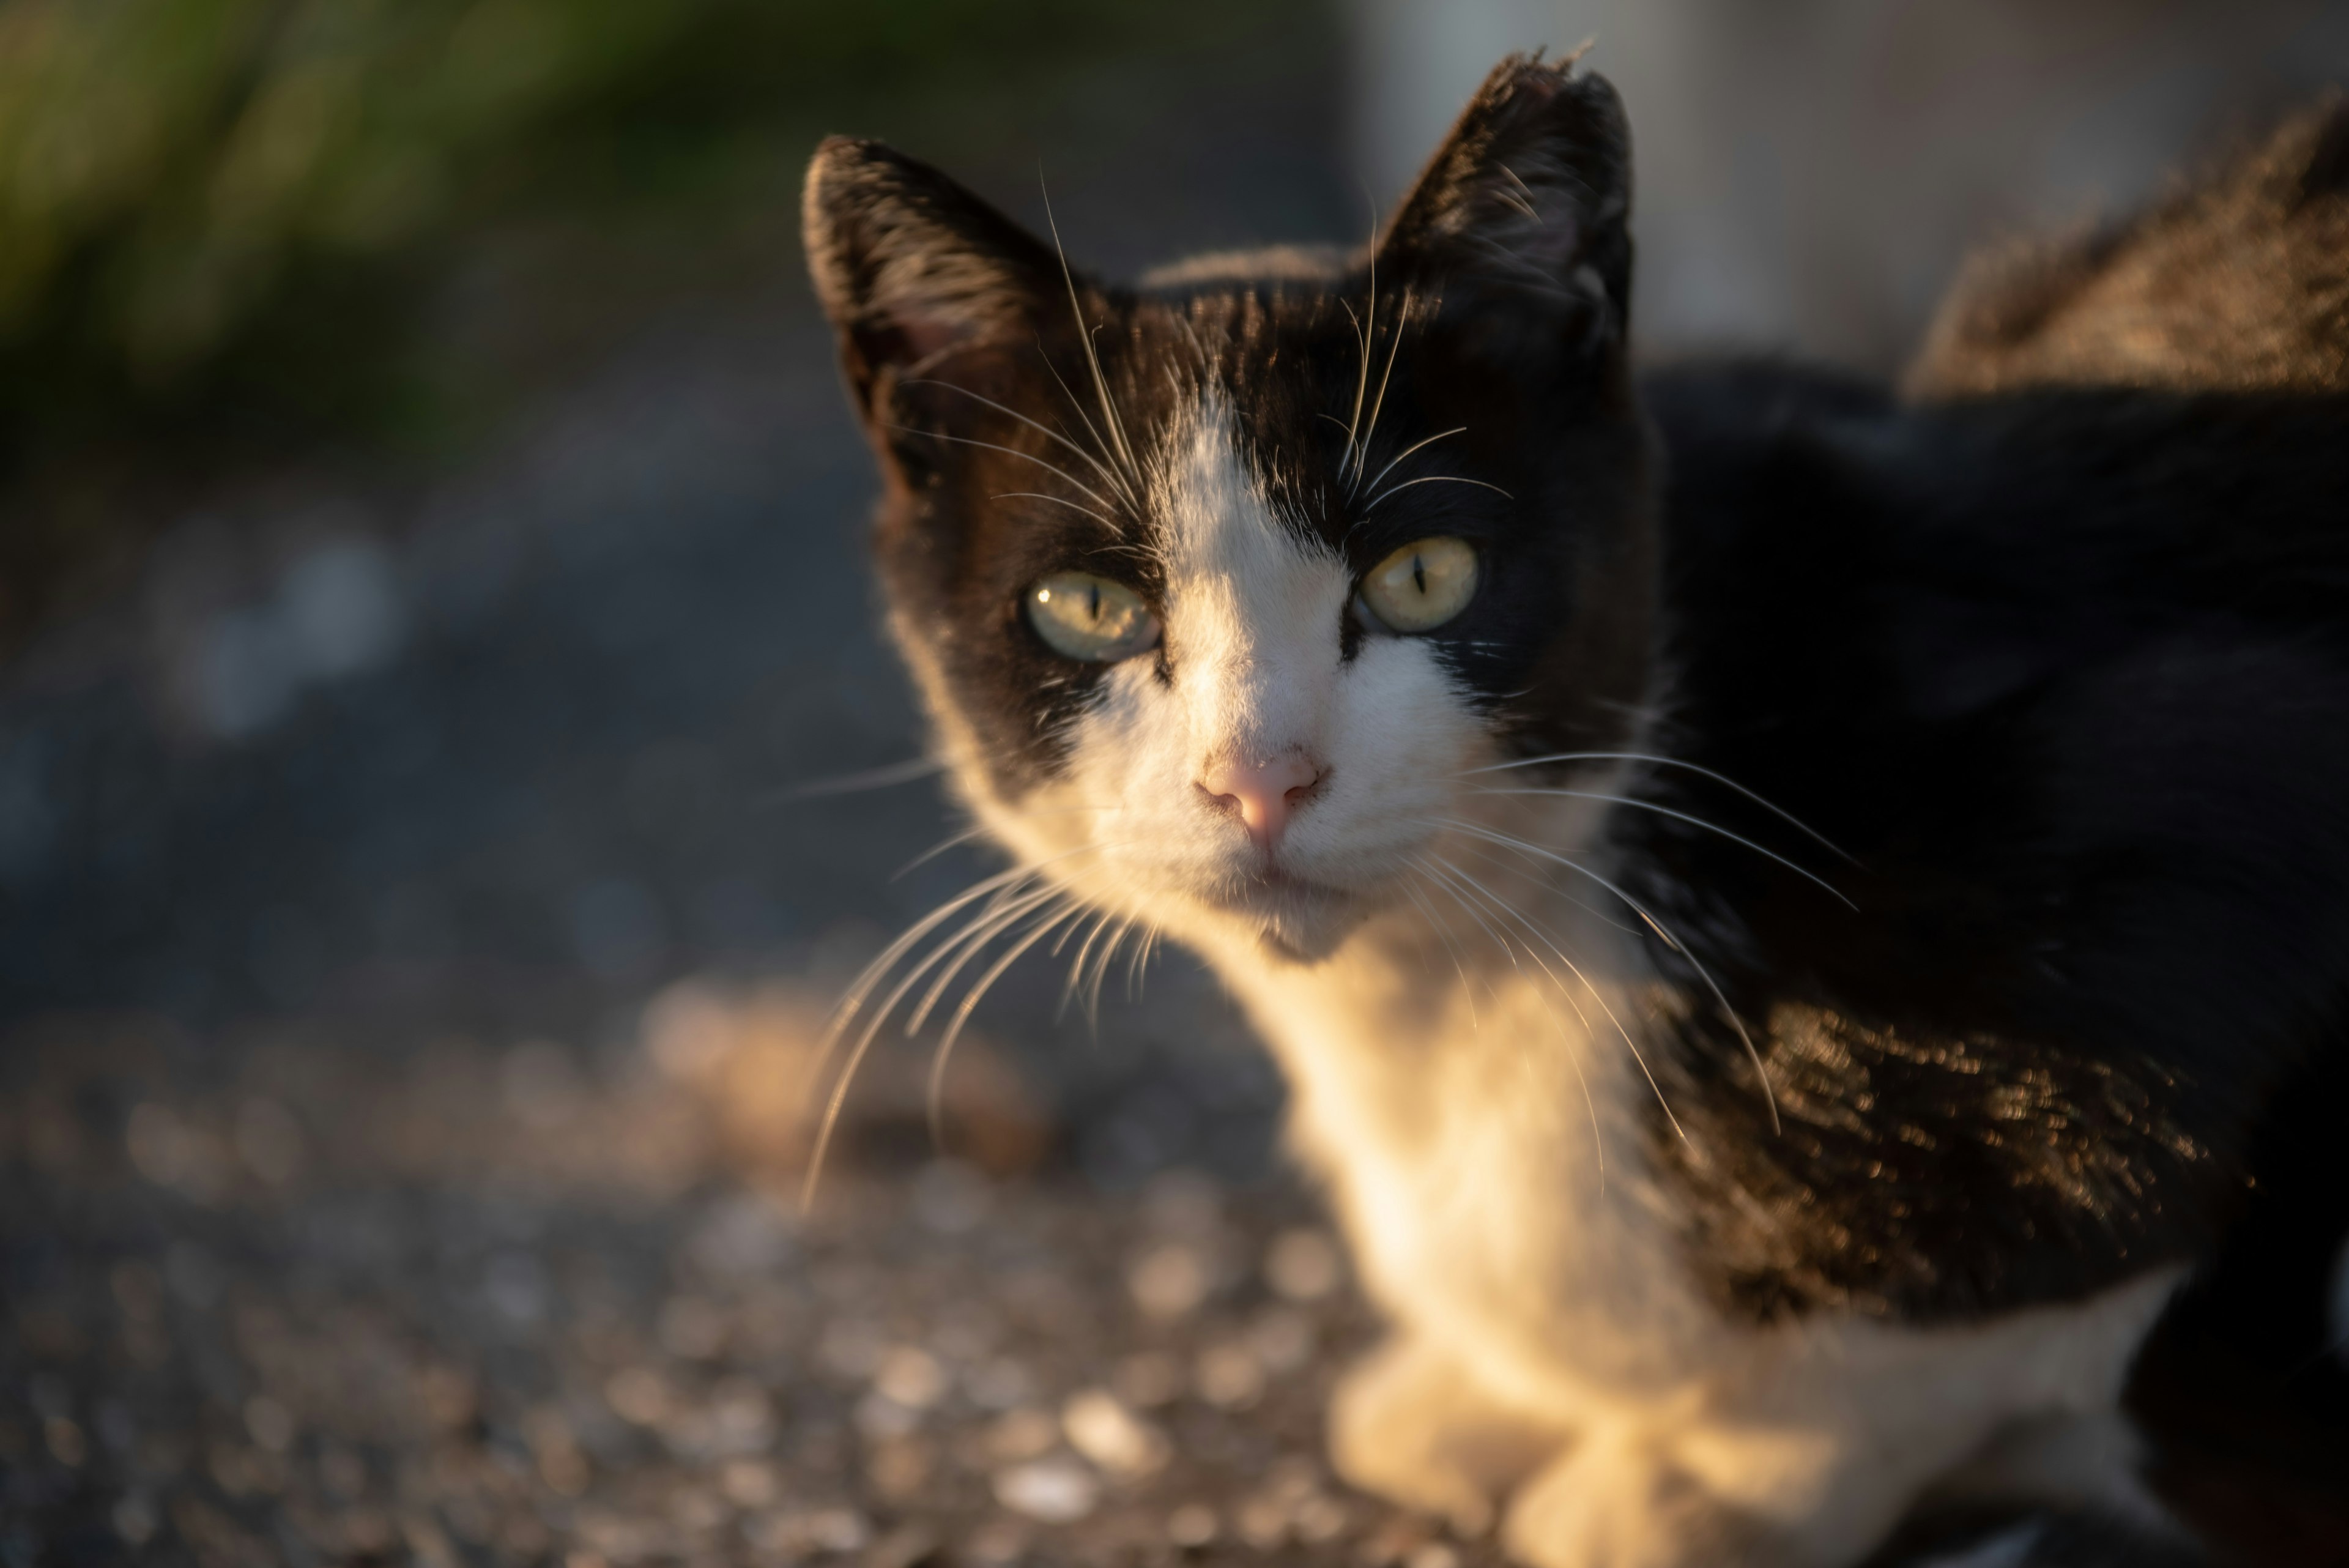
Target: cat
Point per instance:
(2237, 280)
(1783, 911)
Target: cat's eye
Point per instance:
(1421, 586)
(1091, 617)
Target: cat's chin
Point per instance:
(1292, 920)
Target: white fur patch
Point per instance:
(1252, 619)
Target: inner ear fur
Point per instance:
(910, 266)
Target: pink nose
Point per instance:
(1262, 794)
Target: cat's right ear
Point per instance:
(1520, 222)
(911, 267)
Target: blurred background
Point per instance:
(430, 576)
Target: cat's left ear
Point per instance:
(910, 266)
(1520, 221)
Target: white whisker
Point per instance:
(1576, 969)
(1040, 495)
(1381, 476)
(1045, 430)
(1683, 816)
(1753, 1052)
(934, 1093)
(1123, 448)
(1723, 779)
(1433, 479)
(1012, 451)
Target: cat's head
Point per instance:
(1219, 586)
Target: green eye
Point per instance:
(1421, 586)
(1091, 617)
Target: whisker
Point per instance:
(1413, 447)
(1363, 452)
(870, 979)
(1762, 800)
(1576, 969)
(1101, 972)
(838, 1097)
(1366, 332)
(1507, 951)
(1045, 430)
(1753, 1052)
(1467, 990)
(1090, 429)
(934, 1093)
(1123, 448)
(1077, 970)
(1433, 479)
(1040, 495)
(887, 777)
(1000, 918)
(1012, 451)
(1593, 910)
(1693, 821)
(935, 850)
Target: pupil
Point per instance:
(1092, 602)
(1419, 575)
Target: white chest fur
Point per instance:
(1482, 1121)
(1479, 1120)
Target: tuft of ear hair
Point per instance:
(1522, 216)
(910, 266)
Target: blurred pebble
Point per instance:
(849, 1348)
(1431, 1554)
(880, 1418)
(748, 1483)
(1002, 1383)
(1302, 1264)
(1281, 1339)
(1021, 1435)
(900, 1468)
(1150, 1379)
(269, 1140)
(1228, 1377)
(911, 1376)
(637, 1394)
(1192, 1526)
(1052, 1490)
(134, 1518)
(951, 1198)
(692, 1329)
(995, 1542)
(1112, 1436)
(1184, 1203)
(66, 1444)
(270, 1424)
(904, 1547)
(1169, 1280)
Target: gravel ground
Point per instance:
(411, 952)
(522, 1306)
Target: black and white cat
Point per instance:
(1783, 913)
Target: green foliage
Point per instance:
(173, 170)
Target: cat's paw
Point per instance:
(1408, 1424)
(1619, 1501)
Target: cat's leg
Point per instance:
(1409, 1424)
(1806, 1449)
(1694, 1496)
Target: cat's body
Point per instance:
(1782, 912)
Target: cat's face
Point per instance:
(1221, 588)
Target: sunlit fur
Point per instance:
(1587, 1041)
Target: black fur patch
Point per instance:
(2067, 677)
